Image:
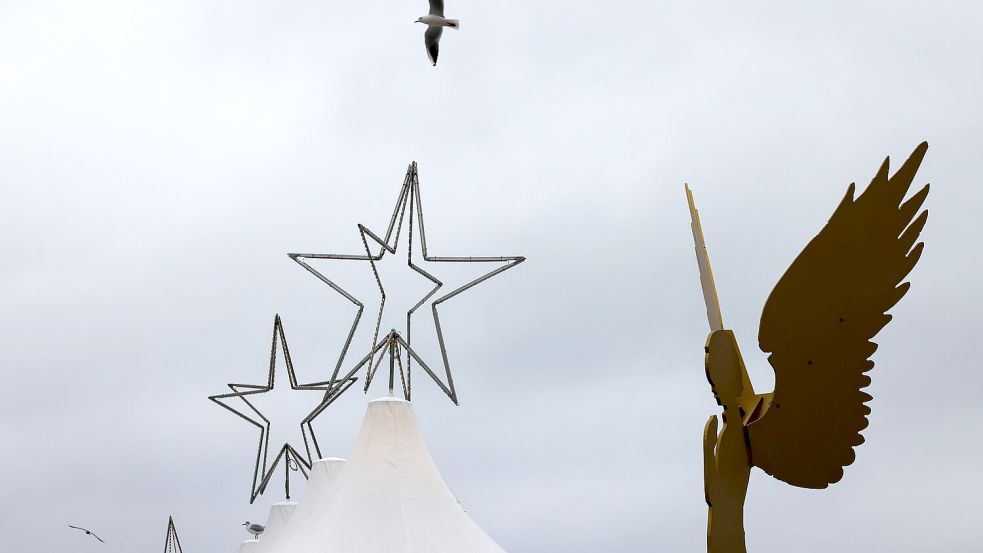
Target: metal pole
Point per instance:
(392, 363)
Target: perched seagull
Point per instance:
(435, 26)
(88, 532)
(254, 529)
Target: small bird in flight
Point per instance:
(88, 532)
(435, 27)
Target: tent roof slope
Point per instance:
(316, 494)
(388, 498)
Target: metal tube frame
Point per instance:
(172, 544)
(407, 200)
(263, 471)
(392, 345)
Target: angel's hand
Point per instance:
(709, 458)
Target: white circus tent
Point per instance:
(280, 514)
(388, 498)
(324, 472)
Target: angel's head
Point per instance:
(724, 367)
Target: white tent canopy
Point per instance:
(280, 514)
(323, 474)
(387, 498)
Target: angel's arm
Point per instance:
(709, 458)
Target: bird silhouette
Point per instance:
(435, 23)
(816, 327)
(88, 532)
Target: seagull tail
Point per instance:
(453, 23)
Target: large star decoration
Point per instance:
(394, 345)
(293, 460)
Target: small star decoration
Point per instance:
(293, 460)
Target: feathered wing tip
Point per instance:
(431, 39)
(906, 174)
(884, 188)
(892, 189)
(453, 23)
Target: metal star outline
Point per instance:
(263, 470)
(172, 544)
(393, 344)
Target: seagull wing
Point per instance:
(97, 537)
(817, 325)
(432, 39)
(75, 527)
(437, 8)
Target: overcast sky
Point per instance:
(159, 159)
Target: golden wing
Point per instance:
(818, 322)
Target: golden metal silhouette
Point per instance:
(816, 327)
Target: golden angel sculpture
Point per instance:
(817, 327)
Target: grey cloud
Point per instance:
(158, 161)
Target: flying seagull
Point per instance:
(435, 26)
(254, 529)
(88, 532)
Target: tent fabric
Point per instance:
(276, 522)
(279, 516)
(388, 498)
(324, 472)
